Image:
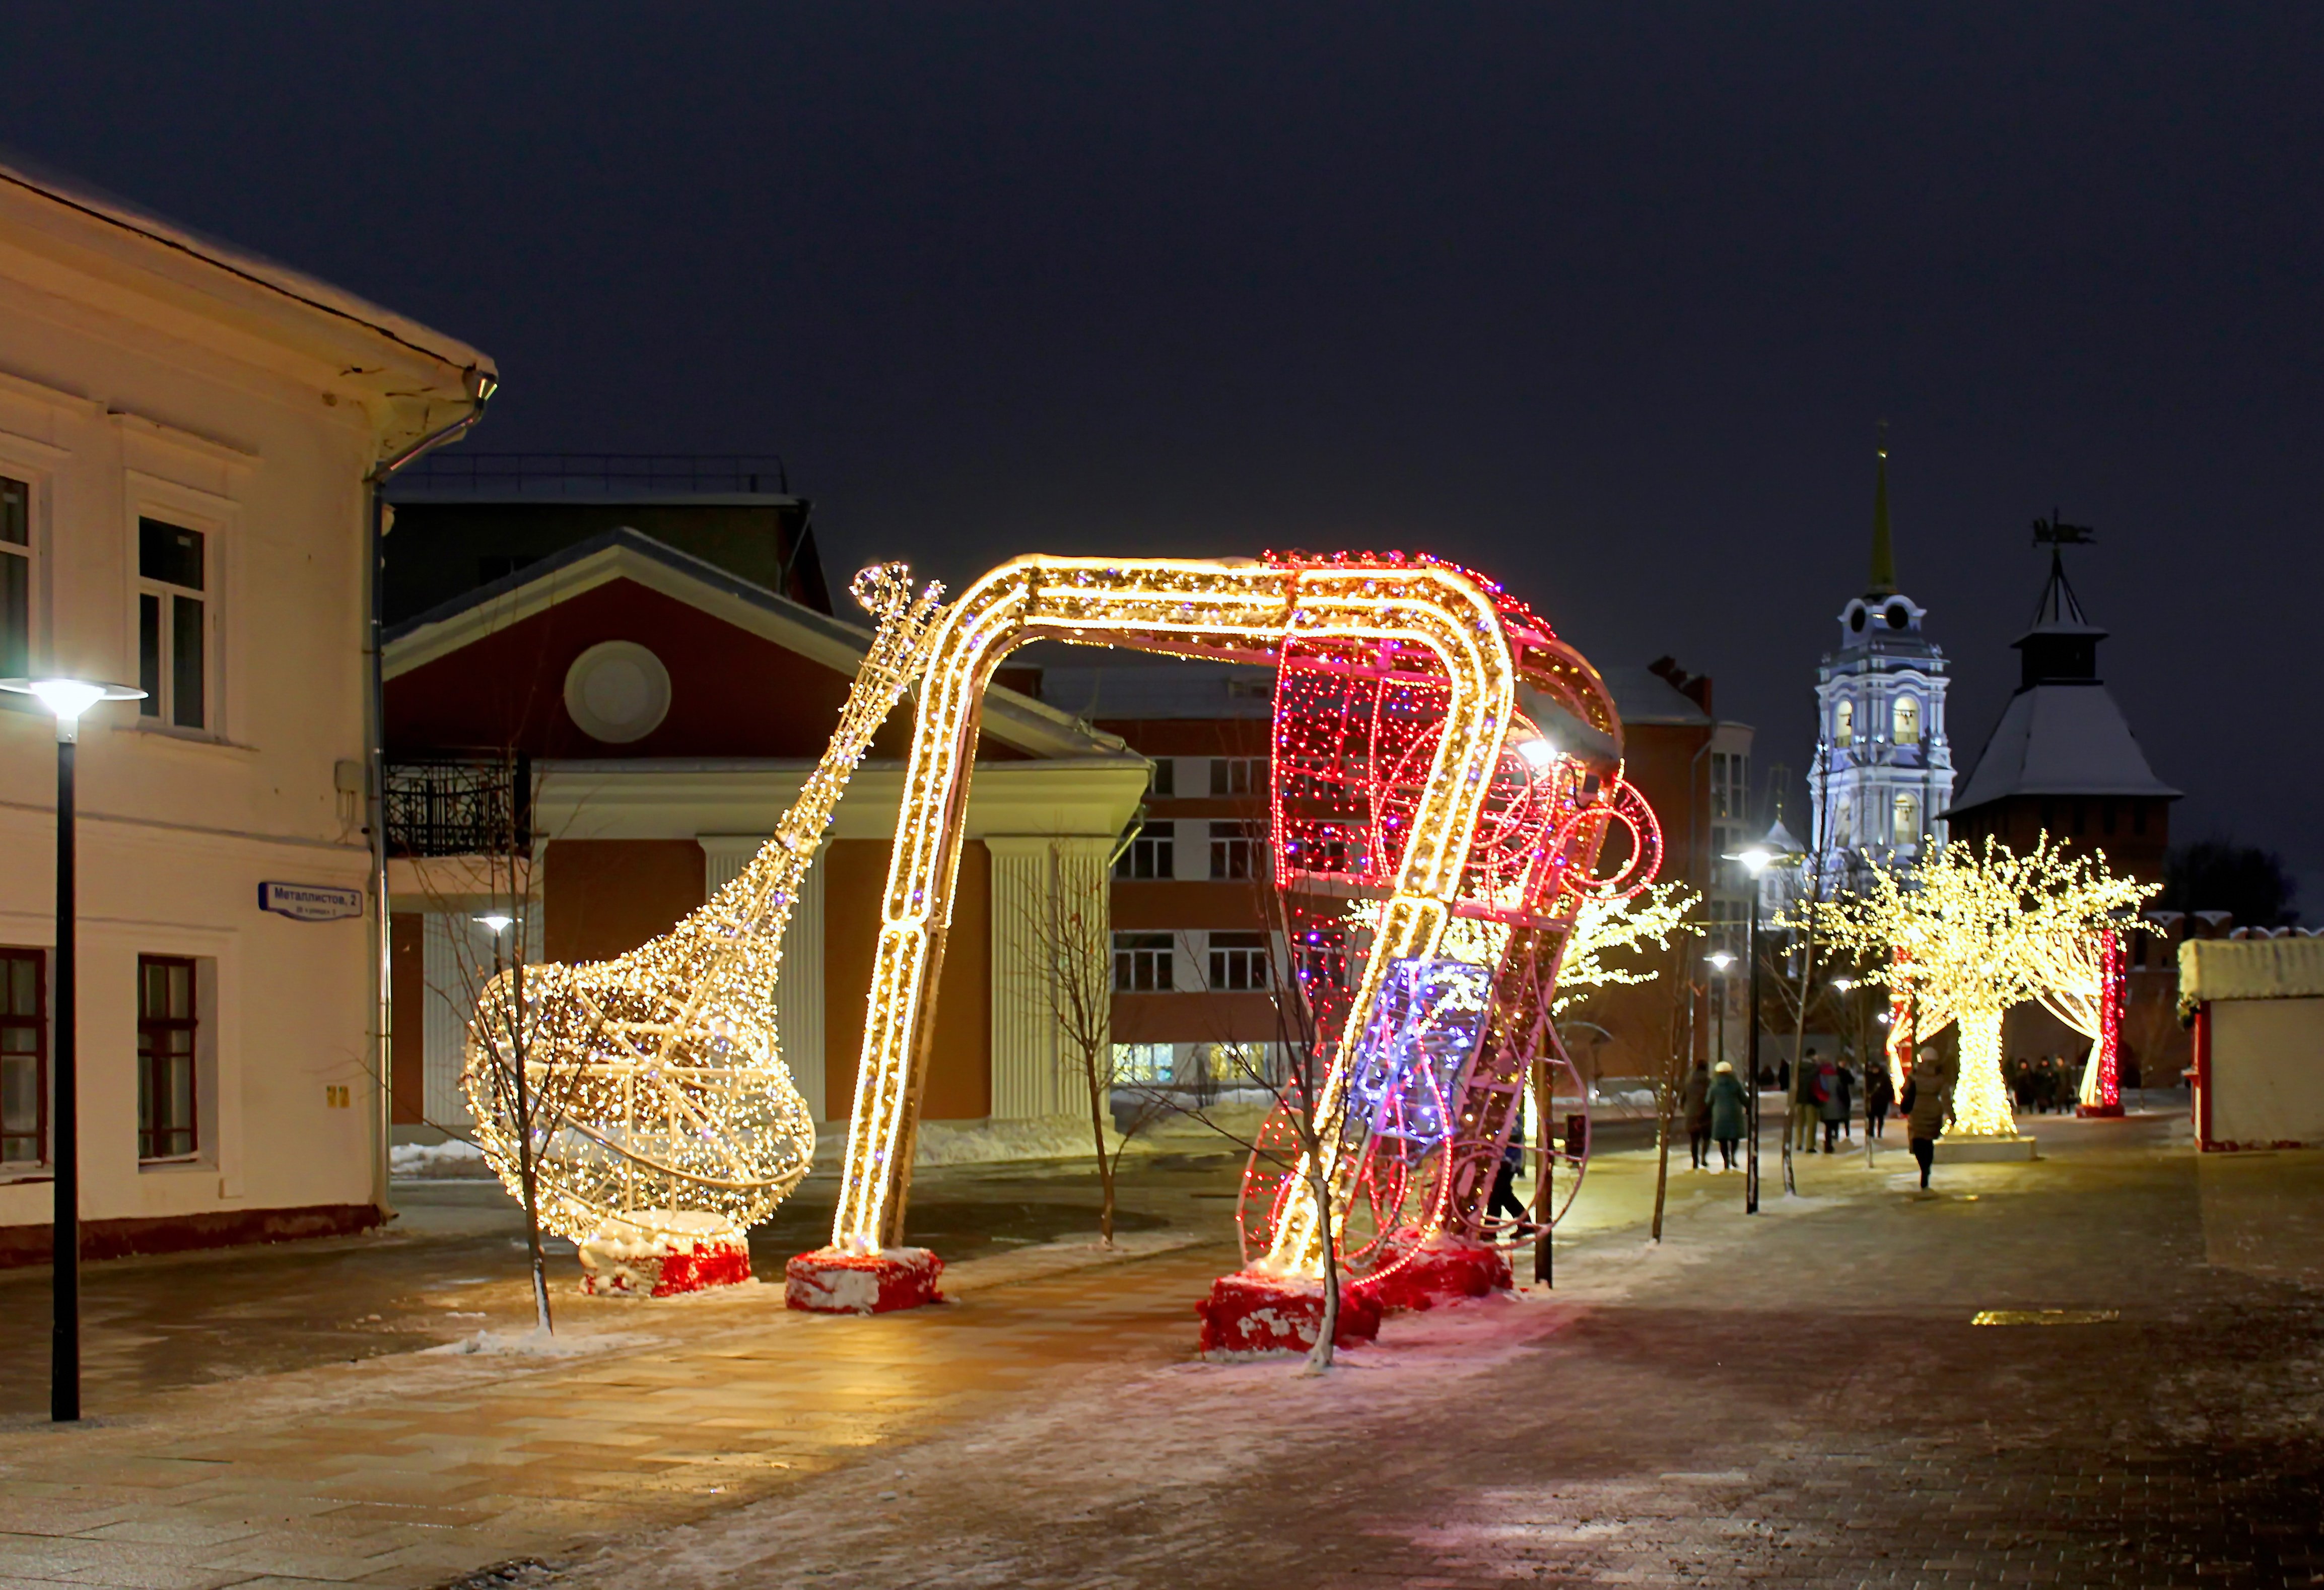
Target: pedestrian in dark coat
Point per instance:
(1694, 1109)
(1928, 1105)
(1730, 1112)
(1832, 1100)
(1879, 1095)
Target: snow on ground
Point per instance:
(428, 1160)
(1151, 1443)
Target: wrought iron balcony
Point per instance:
(459, 806)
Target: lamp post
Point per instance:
(1756, 860)
(1720, 961)
(66, 700)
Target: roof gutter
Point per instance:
(480, 386)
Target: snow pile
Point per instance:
(980, 1142)
(448, 1160)
(659, 1252)
(535, 1343)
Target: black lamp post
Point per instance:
(67, 698)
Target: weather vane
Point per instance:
(2054, 531)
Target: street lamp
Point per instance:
(66, 700)
(1756, 860)
(1720, 961)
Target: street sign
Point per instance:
(311, 903)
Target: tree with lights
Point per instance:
(1970, 932)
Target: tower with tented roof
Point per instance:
(2062, 759)
(1883, 775)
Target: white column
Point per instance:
(799, 991)
(448, 962)
(798, 983)
(1026, 1064)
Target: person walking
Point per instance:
(1928, 1106)
(1833, 1082)
(1694, 1109)
(1880, 1097)
(1730, 1112)
(1505, 1179)
(1807, 1106)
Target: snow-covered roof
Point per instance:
(2250, 968)
(2060, 740)
(1643, 695)
(310, 291)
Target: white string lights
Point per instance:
(663, 1095)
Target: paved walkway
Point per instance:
(1798, 1399)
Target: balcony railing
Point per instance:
(459, 806)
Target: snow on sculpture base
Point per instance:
(829, 1281)
(1447, 1270)
(1247, 1313)
(1981, 1150)
(662, 1252)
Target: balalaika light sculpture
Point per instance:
(664, 1121)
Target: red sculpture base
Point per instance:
(828, 1281)
(2099, 1112)
(612, 1268)
(1247, 1313)
(1445, 1271)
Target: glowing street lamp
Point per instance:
(1720, 961)
(1756, 859)
(66, 700)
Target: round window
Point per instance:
(1898, 616)
(617, 691)
(1855, 618)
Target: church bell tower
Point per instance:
(1884, 771)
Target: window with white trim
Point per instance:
(23, 1056)
(1843, 722)
(1907, 716)
(1235, 850)
(1238, 775)
(1141, 963)
(167, 1025)
(15, 578)
(173, 623)
(1239, 962)
(1145, 1062)
(1152, 854)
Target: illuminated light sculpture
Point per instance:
(671, 1123)
(1408, 629)
(1969, 933)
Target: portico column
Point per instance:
(799, 981)
(1037, 882)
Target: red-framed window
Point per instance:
(23, 1056)
(168, 1028)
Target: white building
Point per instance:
(1884, 770)
(186, 434)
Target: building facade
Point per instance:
(186, 437)
(595, 742)
(1883, 774)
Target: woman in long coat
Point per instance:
(1730, 1112)
(1928, 1105)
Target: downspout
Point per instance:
(480, 386)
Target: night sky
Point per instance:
(1605, 301)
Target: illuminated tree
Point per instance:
(1968, 933)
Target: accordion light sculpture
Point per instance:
(663, 1121)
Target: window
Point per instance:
(167, 1024)
(1730, 784)
(16, 578)
(1239, 961)
(1843, 722)
(1238, 775)
(1145, 1062)
(173, 624)
(1165, 778)
(1141, 963)
(1727, 874)
(1908, 820)
(1234, 849)
(1907, 716)
(1151, 854)
(1321, 959)
(23, 1056)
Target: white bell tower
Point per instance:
(1883, 776)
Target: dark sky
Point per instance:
(1604, 300)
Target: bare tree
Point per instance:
(1072, 943)
(1677, 1059)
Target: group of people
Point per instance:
(1716, 1107)
(2047, 1085)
